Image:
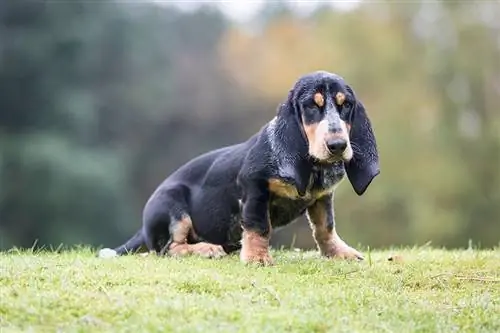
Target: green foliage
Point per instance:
(79, 97)
(431, 290)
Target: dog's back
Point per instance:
(186, 198)
(213, 165)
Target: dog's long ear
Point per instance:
(293, 136)
(364, 166)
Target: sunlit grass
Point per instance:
(425, 290)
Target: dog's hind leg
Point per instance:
(181, 231)
(168, 229)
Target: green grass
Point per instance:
(431, 291)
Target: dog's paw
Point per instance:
(208, 250)
(107, 253)
(255, 249)
(349, 253)
(344, 251)
(261, 259)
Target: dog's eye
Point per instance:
(347, 105)
(346, 109)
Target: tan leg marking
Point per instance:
(179, 246)
(255, 248)
(180, 230)
(329, 242)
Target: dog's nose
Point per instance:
(336, 146)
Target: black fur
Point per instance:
(228, 188)
(364, 165)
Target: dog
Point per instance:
(231, 198)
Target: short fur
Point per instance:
(231, 198)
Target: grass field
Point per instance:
(430, 290)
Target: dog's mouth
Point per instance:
(330, 159)
(336, 159)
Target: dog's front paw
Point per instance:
(249, 257)
(347, 252)
(208, 250)
(255, 249)
(340, 250)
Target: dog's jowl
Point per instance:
(231, 198)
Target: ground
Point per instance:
(423, 290)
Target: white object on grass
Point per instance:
(107, 253)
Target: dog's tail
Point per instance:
(130, 246)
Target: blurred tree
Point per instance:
(465, 59)
(48, 120)
(91, 97)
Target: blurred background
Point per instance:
(101, 100)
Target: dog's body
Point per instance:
(232, 197)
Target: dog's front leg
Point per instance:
(322, 221)
(255, 223)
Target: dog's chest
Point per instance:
(287, 204)
(322, 182)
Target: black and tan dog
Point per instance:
(231, 198)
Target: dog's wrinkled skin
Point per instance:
(231, 198)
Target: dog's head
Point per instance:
(335, 126)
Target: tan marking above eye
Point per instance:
(319, 99)
(340, 98)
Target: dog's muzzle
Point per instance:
(336, 146)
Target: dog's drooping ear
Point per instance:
(364, 166)
(290, 112)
